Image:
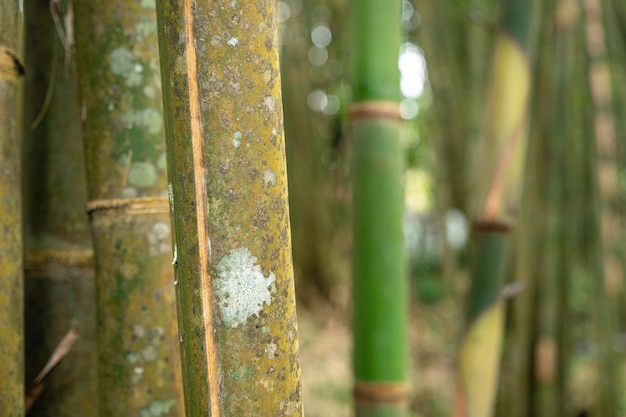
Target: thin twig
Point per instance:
(63, 348)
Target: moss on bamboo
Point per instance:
(11, 285)
(117, 56)
(229, 207)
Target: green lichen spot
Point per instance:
(122, 63)
(149, 91)
(157, 408)
(267, 76)
(149, 119)
(162, 162)
(145, 27)
(142, 174)
(241, 287)
(148, 4)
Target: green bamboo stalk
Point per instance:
(11, 274)
(228, 190)
(499, 184)
(612, 268)
(117, 60)
(59, 272)
(379, 270)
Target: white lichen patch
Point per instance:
(159, 239)
(271, 350)
(269, 102)
(142, 174)
(269, 177)
(170, 194)
(241, 287)
(233, 41)
(237, 139)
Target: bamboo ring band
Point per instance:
(140, 205)
(380, 392)
(373, 109)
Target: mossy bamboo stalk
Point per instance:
(550, 362)
(59, 272)
(530, 233)
(229, 207)
(11, 274)
(612, 268)
(379, 270)
(499, 183)
(117, 60)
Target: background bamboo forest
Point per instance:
(338, 208)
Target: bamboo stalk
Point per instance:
(59, 272)
(606, 170)
(11, 274)
(117, 59)
(228, 201)
(499, 184)
(379, 270)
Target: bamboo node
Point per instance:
(491, 226)
(374, 109)
(140, 205)
(44, 258)
(11, 66)
(380, 392)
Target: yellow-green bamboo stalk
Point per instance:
(498, 188)
(612, 269)
(228, 190)
(11, 275)
(117, 60)
(59, 273)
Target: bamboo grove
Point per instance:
(147, 214)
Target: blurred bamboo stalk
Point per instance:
(59, 271)
(379, 272)
(229, 208)
(117, 59)
(609, 297)
(11, 273)
(499, 181)
(552, 289)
